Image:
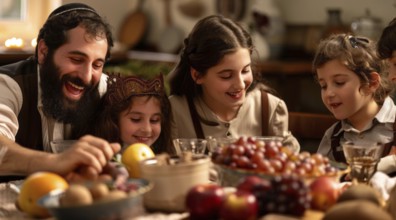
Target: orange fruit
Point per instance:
(133, 155)
(36, 186)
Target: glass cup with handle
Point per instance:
(362, 160)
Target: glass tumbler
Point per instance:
(363, 160)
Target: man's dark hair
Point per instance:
(69, 16)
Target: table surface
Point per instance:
(8, 210)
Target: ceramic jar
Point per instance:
(172, 182)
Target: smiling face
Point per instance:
(224, 86)
(141, 122)
(70, 74)
(80, 62)
(343, 94)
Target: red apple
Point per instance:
(204, 201)
(239, 205)
(324, 193)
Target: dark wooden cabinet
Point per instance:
(294, 82)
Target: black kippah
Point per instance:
(72, 7)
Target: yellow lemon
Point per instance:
(34, 187)
(133, 155)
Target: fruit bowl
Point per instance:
(267, 158)
(129, 206)
(230, 177)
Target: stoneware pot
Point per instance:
(173, 181)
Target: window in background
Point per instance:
(12, 9)
(32, 15)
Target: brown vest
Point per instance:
(29, 133)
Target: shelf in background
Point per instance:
(285, 67)
(266, 67)
(11, 56)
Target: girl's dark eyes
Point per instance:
(226, 77)
(246, 70)
(229, 76)
(135, 119)
(339, 83)
(154, 121)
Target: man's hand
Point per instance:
(84, 159)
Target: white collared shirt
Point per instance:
(380, 130)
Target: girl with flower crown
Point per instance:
(135, 110)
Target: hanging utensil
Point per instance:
(192, 8)
(172, 37)
(134, 27)
(233, 9)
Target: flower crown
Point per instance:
(120, 88)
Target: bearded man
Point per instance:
(49, 96)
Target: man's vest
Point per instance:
(29, 133)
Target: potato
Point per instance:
(360, 191)
(76, 194)
(113, 195)
(391, 205)
(98, 190)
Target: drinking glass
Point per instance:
(194, 145)
(363, 160)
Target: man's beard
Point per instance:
(56, 105)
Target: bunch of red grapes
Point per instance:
(289, 195)
(271, 157)
(284, 194)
